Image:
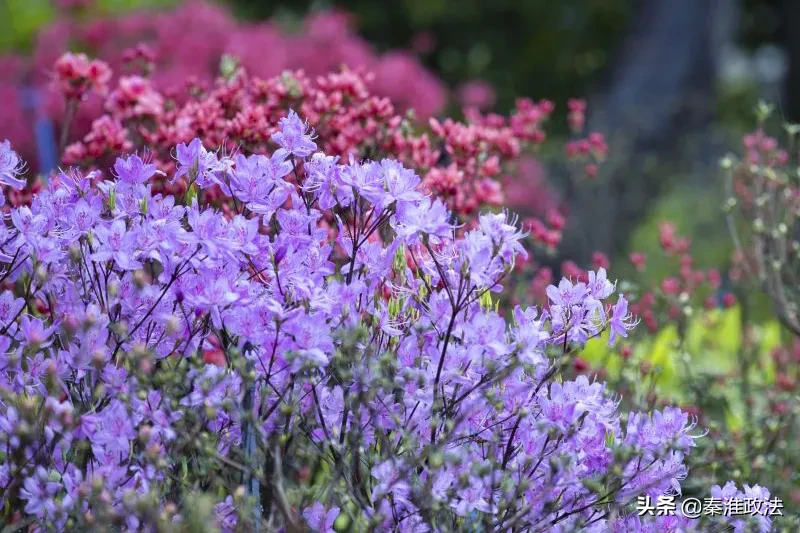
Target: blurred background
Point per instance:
(670, 82)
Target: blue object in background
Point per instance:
(44, 130)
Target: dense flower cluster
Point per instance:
(76, 75)
(301, 373)
(147, 41)
(461, 163)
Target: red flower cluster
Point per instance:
(664, 300)
(762, 149)
(590, 151)
(191, 42)
(75, 75)
(460, 162)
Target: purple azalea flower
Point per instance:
(504, 235)
(85, 215)
(38, 492)
(566, 294)
(119, 243)
(401, 184)
(133, 170)
(389, 480)
(11, 166)
(226, 515)
(294, 136)
(35, 332)
(114, 431)
(324, 180)
(320, 519)
(426, 217)
(621, 321)
(9, 307)
(197, 163)
(599, 285)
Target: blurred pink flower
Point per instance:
(408, 84)
(528, 191)
(423, 42)
(477, 93)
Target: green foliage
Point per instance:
(21, 19)
(695, 211)
(709, 348)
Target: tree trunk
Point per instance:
(660, 91)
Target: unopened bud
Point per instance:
(153, 452)
(75, 253)
(112, 198)
(129, 500)
(145, 433)
(113, 288)
(145, 366)
(41, 274)
(171, 324)
(98, 360)
(140, 279)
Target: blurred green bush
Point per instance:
(20, 19)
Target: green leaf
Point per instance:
(770, 339)
(735, 411)
(664, 357)
(713, 339)
(599, 354)
(729, 332)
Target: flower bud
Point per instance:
(171, 324)
(113, 288)
(75, 253)
(140, 278)
(98, 360)
(41, 274)
(145, 433)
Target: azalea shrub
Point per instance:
(327, 354)
(482, 161)
(460, 162)
(144, 41)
